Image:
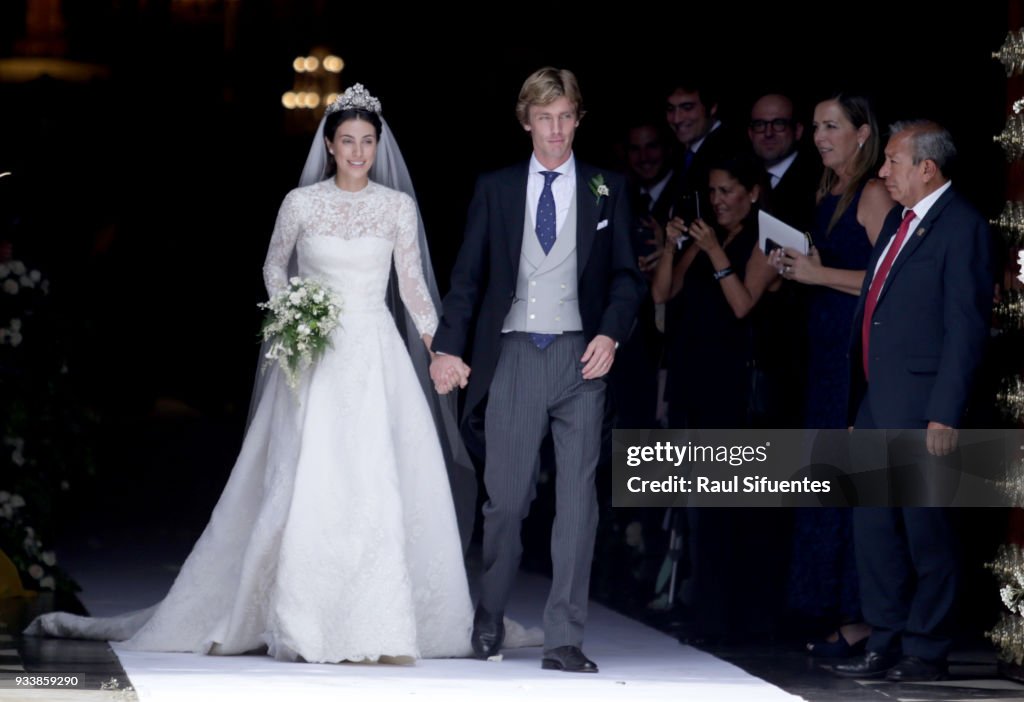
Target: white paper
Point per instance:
(780, 233)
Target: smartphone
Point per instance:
(770, 245)
(687, 208)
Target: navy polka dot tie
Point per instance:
(545, 229)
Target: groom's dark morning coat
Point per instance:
(484, 277)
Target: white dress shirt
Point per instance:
(563, 188)
(920, 210)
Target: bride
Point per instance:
(335, 537)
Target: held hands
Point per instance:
(598, 357)
(448, 372)
(941, 439)
(793, 265)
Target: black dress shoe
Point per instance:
(870, 665)
(568, 658)
(913, 669)
(488, 633)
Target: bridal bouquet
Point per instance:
(298, 324)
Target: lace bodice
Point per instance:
(385, 217)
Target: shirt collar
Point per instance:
(922, 207)
(567, 168)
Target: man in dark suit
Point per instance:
(775, 134)
(919, 336)
(544, 287)
(691, 110)
(792, 175)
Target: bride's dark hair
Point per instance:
(338, 116)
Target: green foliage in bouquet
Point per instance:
(298, 325)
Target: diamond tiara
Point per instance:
(355, 97)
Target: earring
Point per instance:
(860, 144)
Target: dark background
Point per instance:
(151, 194)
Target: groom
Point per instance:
(544, 288)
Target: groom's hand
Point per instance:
(447, 372)
(598, 357)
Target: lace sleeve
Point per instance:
(409, 266)
(282, 241)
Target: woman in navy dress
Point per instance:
(851, 208)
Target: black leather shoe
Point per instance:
(913, 669)
(870, 665)
(488, 633)
(568, 658)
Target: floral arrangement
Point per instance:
(45, 429)
(15, 275)
(599, 187)
(298, 325)
(22, 545)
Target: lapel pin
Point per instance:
(920, 231)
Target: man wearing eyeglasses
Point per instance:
(775, 135)
(793, 175)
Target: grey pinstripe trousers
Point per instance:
(534, 391)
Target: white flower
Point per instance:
(36, 571)
(49, 558)
(602, 190)
(48, 583)
(15, 339)
(15, 324)
(295, 280)
(8, 511)
(318, 298)
(5, 270)
(11, 286)
(27, 282)
(17, 501)
(30, 534)
(303, 330)
(17, 268)
(35, 275)
(4, 496)
(18, 458)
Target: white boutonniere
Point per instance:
(599, 187)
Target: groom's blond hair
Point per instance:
(544, 87)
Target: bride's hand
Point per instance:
(447, 372)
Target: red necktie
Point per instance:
(878, 281)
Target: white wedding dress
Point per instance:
(335, 538)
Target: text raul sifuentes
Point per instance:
(665, 452)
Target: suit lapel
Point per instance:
(514, 198)
(889, 227)
(916, 238)
(587, 212)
